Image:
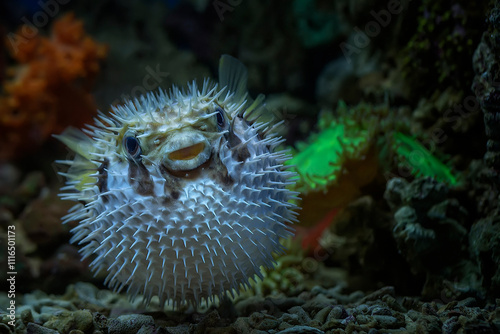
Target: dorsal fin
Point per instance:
(233, 75)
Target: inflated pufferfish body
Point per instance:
(181, 196)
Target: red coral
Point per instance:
(50, 87)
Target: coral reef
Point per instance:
(484, 234)
(50, 86)
(360, 240)
(485, 86)
(431, 229)
(484, 241)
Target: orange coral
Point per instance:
(50, 87)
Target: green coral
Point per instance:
(421, 161)
(348, 135)
(320, 161)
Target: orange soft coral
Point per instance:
(50, 87)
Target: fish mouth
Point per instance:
(186, 151)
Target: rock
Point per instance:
(100, 321)
(241, 325)
(90, 293)
(395, 191)
(66, 321)
(41, 219)
(301, 330)
(406, 215)
(258, 331)
(387, 321)
(182, 329)
(484, 241)
(4, 329)
(467, 302)
(337, 312)
(377, 310)
(27, 316)
(249, 305)
(262, 321)
(423, 193)
(363, 319)
(83, 320)
(212, 319)
(292, 319)
(393, 303)
(318, 303)
(9, 177)
(303, 317)
(283, 326)
(268, 324)
(284, 303)
(32, 328)
(323, 313)
(428, 324)
(147, 329)
(129, 324)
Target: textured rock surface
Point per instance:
(321, 312)
(432, 233)
(485, 85)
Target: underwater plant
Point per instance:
(182, 196)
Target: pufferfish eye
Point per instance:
(132, 146)
(221, 119)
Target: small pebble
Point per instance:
(27, 316)
(301, 330)
(303, 317)
(32, 328)
(129, 324)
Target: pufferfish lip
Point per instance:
(186, 151)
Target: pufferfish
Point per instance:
(181, 195)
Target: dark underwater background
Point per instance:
(389, 110)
